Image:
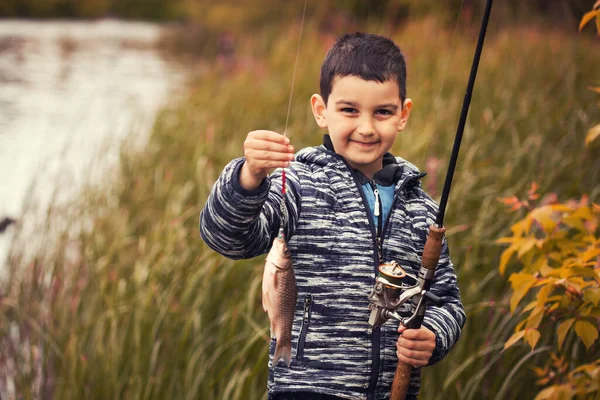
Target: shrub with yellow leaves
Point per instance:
(556, 293)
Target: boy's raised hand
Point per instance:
(415, 346)
(264, 151)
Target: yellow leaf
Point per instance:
(587, 18)
(520, 227)
(596, 5)
(545, 269)
(520, 325)
(592, 295)
(559, 207)
(591, 253)
(521, 283)
(594, 312)
(592, 135)
(535, 318)
(543, 215)
(529, 306)
(587, 332)
(543, 294)
(546, 394)
(513, 339)
(594, 88)
(574, 222)
(505, 240)
(532, 336)
(562, 331)
(526, 245)
(505, 257)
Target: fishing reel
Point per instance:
(393, 288)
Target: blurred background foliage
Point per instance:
(128, 303)
(230, 13)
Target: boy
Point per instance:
(351, 205)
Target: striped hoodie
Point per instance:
(332, 239)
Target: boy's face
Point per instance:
(363, 119)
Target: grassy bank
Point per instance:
(135, 306)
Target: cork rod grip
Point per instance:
(401, 381)
(433, 247)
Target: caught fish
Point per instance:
(279, 295)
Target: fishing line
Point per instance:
(445, 72)
(287, 118)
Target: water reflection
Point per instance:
(70, 92)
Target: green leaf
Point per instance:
(513, 339)
(562, 331)
(532, 336)
(587, 332)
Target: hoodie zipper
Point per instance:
(378, 212)
(378, 242)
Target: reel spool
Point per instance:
(392, 273)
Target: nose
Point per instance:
(366, 127)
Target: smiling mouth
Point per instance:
(365, 144)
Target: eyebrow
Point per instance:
(353, 104)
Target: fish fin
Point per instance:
(283, 353)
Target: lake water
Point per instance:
(70, 92)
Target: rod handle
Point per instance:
(433, 247)
(401, 381)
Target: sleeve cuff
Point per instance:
(439, 351)
(235, 183)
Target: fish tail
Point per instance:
(283, 352)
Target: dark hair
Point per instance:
(370, 57)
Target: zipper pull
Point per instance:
(376, 193)
(307, 302)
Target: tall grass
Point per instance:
(130, 304)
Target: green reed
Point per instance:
(128, 303)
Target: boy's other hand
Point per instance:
(264, 151)
(415, 346)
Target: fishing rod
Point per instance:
(390, 290)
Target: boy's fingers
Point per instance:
(413, 358)
(265, 155)
(417, 334)
(411, 344)
(270, 136)
(268, 146)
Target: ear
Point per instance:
(404, 114)
(319, 107)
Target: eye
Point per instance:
(384, 111)
(349, 110)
